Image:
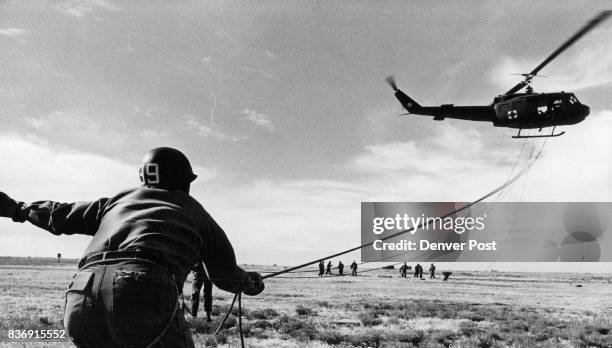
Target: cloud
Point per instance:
(13, 32)
(270, 55)
(148, 112)
(575, 166)
(292, 220)
(33, 170)
(451, 147)
(60, 125)
(80, 8)
(33, 167)
(36, 122)
(267, 75)
(208, 130)
(154, 133)
(204, 174)
(261, 120)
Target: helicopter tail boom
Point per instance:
(407, 102)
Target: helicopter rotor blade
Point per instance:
(526, 75)
(391, 81)
(588, 27)
(603, 15)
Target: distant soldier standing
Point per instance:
(432, 271)
(341, 268)
(329, 267)
(354, 268)
(201, 279)
(404, 270)
(417, 269)
(145, 242)
(321, 268)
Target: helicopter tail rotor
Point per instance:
(391, 81)
(408, 103)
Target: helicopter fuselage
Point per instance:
(521, 110)
(538, 110)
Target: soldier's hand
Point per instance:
(255, 284)
(7, 205)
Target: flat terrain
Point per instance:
(472, 309)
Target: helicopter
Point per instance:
(527, 110)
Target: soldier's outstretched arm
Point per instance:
(55, 217)
(220, 260)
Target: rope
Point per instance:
(240, 319)
(229, 311)
(339, 275)
(238, 296)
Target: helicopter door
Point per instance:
(542, 110)
(557, 108)
(517, 109)
(503, 112)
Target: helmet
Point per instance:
(166, 168)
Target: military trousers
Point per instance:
(196, 286)
(124, 304)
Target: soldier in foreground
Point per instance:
(200, 279)
(145, 242)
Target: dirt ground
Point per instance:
(374, 309)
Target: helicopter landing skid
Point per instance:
(551, 135)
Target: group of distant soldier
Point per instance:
(418, 270)
(327, 270)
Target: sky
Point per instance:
(283, 109)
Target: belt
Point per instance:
(150, 256)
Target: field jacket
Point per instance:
(169, 222)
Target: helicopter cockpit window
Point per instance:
(557, 103)
(573, 100)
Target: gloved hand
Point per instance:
(255, 284)
(7, 205)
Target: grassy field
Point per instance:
(472, 309)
